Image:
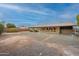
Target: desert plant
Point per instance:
(77, 18)
(1, 28)
(12, 30)
(10, 25)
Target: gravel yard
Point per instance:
(38, 44)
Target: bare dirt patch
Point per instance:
(34, 44)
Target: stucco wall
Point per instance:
(53, 29)
(66, 31)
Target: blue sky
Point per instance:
(32, 14)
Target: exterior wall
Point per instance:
(54, 29)
(47, 29)
(64, 31)
(57, 29)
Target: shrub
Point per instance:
(1, 28)
(12, 30)
(35, 30)
(10, 25)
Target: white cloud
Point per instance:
(1, 15)
(9, 6)
(18, 8)
(70, 12)
(36, 11)
(47, 10)
(66, 16)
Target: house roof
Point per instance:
(54, 25)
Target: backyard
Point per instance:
(38, 44)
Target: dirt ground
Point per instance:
(38, 44)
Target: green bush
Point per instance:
(10, 25)
(35, 30)
(1, 28)
(12, 30)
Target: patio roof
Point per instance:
(55, 25)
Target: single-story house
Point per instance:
(55, 28)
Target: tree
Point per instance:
(10, 25)
(1, 28)
(77, 20)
